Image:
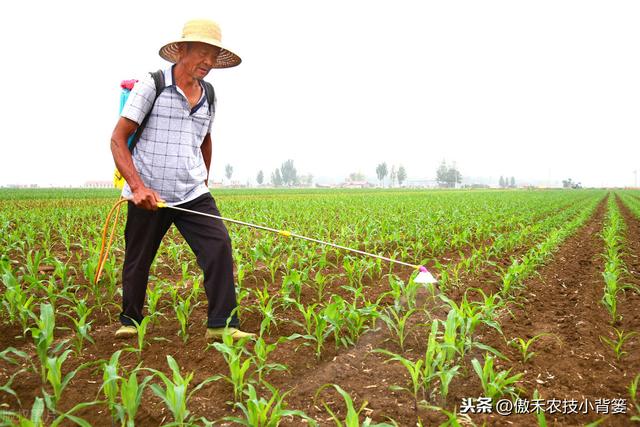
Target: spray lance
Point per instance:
(423, 276)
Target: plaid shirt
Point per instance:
(167, 156)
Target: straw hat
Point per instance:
(205, 31)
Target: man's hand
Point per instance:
(146, 198)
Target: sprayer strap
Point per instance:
(158, 78)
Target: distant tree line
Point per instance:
(448, 176)
(398, 175)
(286, 176)
(568, 183)
(506, 182)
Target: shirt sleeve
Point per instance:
(140, 100)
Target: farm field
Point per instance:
(537, 307)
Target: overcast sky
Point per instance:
(541, 90)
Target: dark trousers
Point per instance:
(207, 237)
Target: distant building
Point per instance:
(22, 186)
(356, 184)
(421, 183)
(98, 184)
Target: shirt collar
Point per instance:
(170, 79)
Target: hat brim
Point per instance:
(226, 58)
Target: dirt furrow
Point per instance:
(573, 362)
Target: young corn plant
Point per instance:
(38, 418)
(292, 285)
(416, 375)
(131, 396)
(454, 419)
(16, 302)
(141, 329)
(423, 372)
(618, 341)
(445, 375)
(316, 326)
(111, 386)
(235, 354)
(56, 380)
(358, 320)
(261, 351)
(53, 291)
(542, 420)
(320, 281)
(81, 326)
(633, 393)
(457, 337)
(260, 412)
(523, 346)
(183, 310)
(123, 395)
(154, 293)
(31, 269)
(496, 384)
(42, 334)
(267, 305)
(334, 314)
(352, 417)
(354, 271)
(174, 393)
(397, 323)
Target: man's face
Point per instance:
(198, 58)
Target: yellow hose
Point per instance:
(102, 259)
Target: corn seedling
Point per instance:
(292, 284)
(81, 326)
(131, 396)
(495, 384)
(32, 263)
(233, 353)
(397, 323)
(267, 305)
(445, 375)
(320, 281)
(56, 380)
(15, 300)
(174, 393)
(359, 319)
(37, 417)
(633, 393)
(453, 418)
(616, 344)
(110, 386)
(334, 314)
(523, 346)
(141, 329)
(539, 411)
(317, 327)
(415, 371)
(260, 412)
(183, 310)
(352, 418)
(261, 351)
(42, 335)
(154, 293)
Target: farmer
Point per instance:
(171, 163)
